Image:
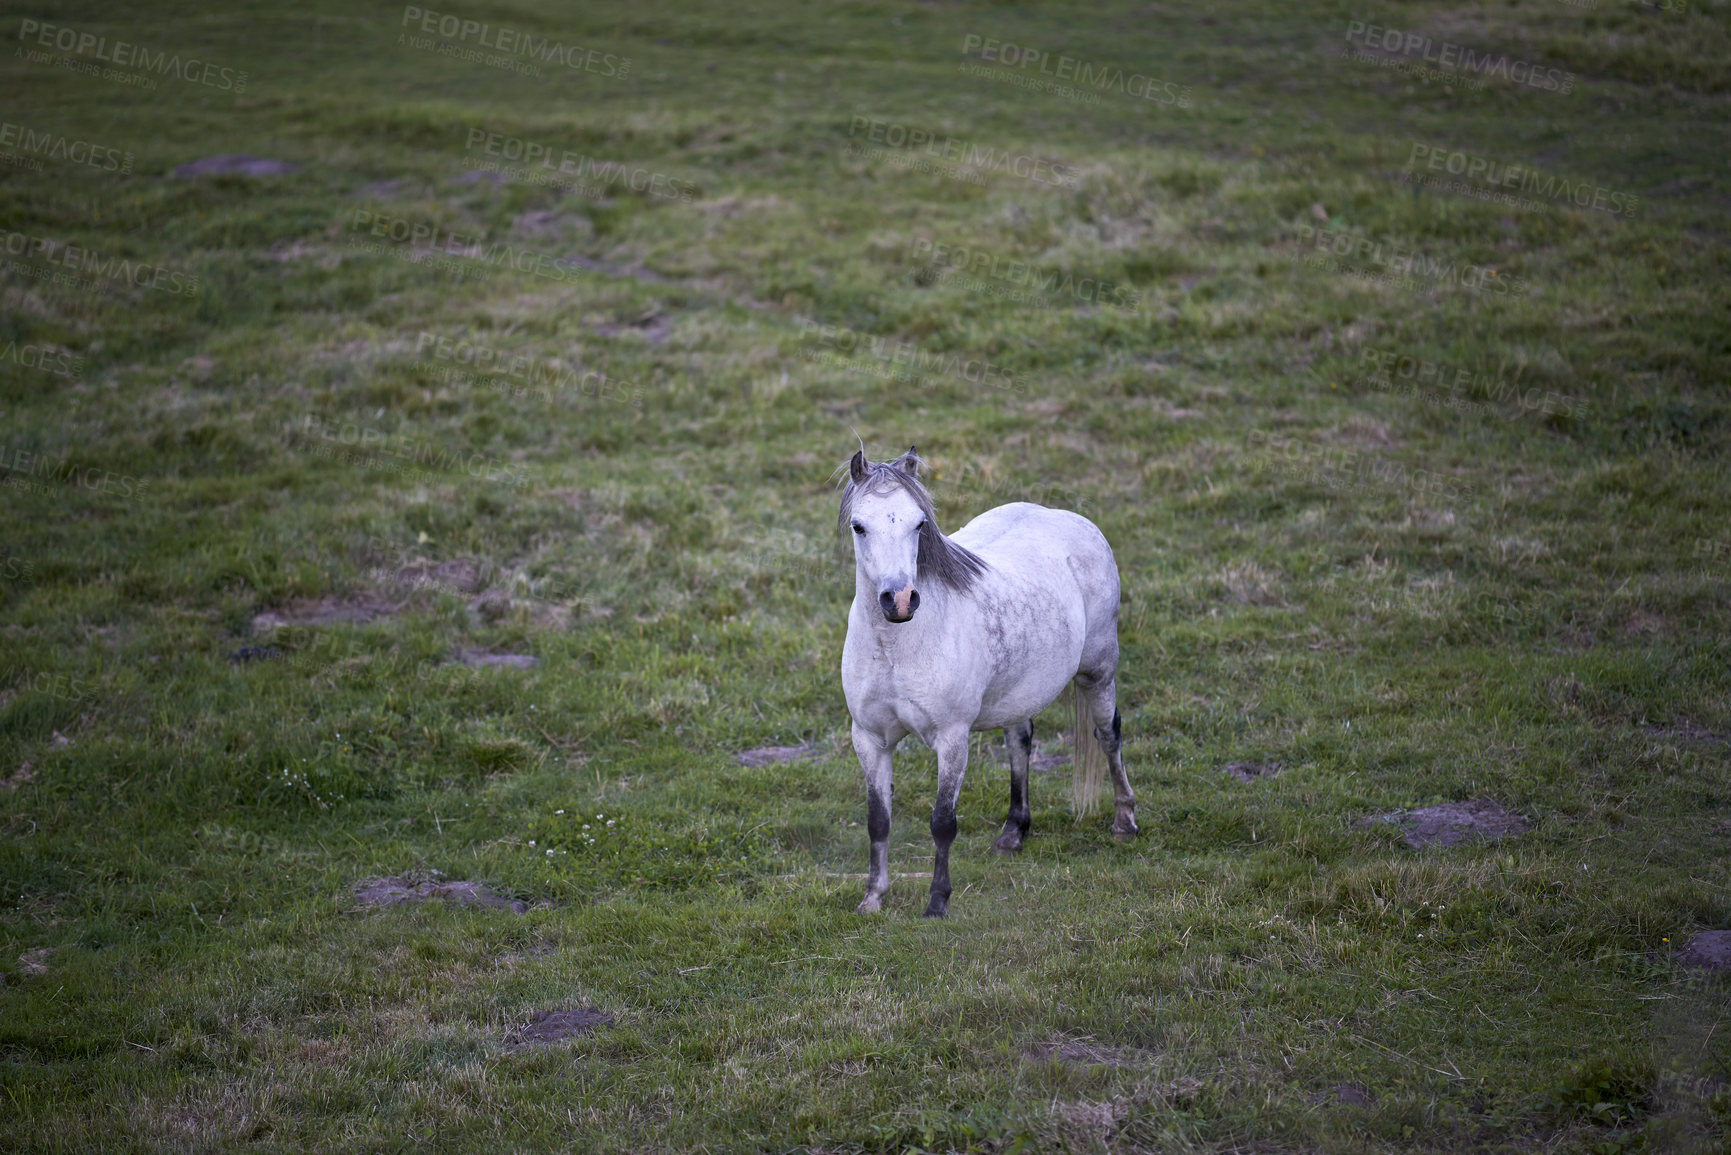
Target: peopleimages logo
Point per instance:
(951, 261)
(21, 467)
(1404, 263)
(1088, 76)
(587, 172)
(42, 358)
(1455, 387)
(965, 153)
(1487, 178)
(127, 55)
(511, 42)
(1458, 58)
(55, 147)
(537, 376)
(138, 274)
(897, 359)
(394, 452)
(464, 247)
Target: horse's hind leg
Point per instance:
(1102, 698)
(1020, 740)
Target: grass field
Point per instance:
(1397, 382)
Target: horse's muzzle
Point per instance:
(899, 606)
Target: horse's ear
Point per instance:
(909, 463)
(856, 468)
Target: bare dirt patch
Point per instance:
(35, 962)
(532, 953)
(652, 325)
(1710, 950)
(1362, 433)
(1452, 823)
(387, 190)
(480, 176)
(497, 605)
(1689, 732)
(462, 575)
(552, 1026)
(1250, 584)
(325, 612)
(1344, 1095)
(323, 1052)
(1081, 1052)
(477, 659)
(1250, 771)
(1038, 762)
(234, 164)
(1094, 1121)
(1641, 623)
(383, 892)
(553, 223)
(18, 777)
(770, 755)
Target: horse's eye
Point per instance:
(920, 526)
(859, 529)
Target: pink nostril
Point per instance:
(903, 597)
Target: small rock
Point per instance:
(235, 164)
(1320, 213)
(59, 740)
(35, 962)
(1710, 950)
(22, 775)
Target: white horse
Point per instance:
(973, 632)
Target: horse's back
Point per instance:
(1029, 540)
(1057, 567)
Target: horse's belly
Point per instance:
(1028, 686)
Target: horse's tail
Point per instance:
(1087, 757)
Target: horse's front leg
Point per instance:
(952, 751)
(876, 763)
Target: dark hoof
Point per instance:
(1125, 832)
(936, 909)
(1008, 843)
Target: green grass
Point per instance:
(1400, 600)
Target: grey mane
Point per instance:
(941, 559)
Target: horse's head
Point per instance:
(887, 512)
